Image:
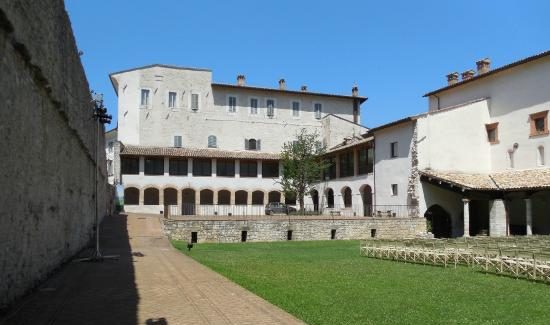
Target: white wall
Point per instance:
(393, 170)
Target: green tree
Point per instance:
(302, 164)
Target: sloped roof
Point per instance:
(513, 180)
(130, 150)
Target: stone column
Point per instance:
(497, 218)
(141, 196)
(466, 217)
(529, 216)
(215, 197)
(249, 197)
(161, 197)
(179, 201)
(232, 198)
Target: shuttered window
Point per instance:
(212, 141)
(177, 141)
(194, 102)
(270, 104)
(232, 104)
(318, 108)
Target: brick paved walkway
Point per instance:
(151, 283)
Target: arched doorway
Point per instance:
(330, 198)
(366, 196)
(188, 202)
(440, 221)
(151, 196)
(170, 196)
(241, 198)
(206, 197)
(315, 198)
(131, 196)
(224, 197)
(258, 198)
(346, 194)
(274, 196)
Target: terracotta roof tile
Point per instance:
(504, 181)
(130, 150)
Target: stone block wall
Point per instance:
(48, 146)
(226, 231)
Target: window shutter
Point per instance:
(258, 144)
(246, 144)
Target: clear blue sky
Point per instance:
(395, 51)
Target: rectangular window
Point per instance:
(539, 123)
(318, 109)
(249, 168)
(365, 161)
(270, 169)
(145, 97)
(346, 164)
(194, 102)
(330, 172)
(177, 141)
(172, 99)
(225, 168)
(393, 150)
(178, 167)
(492, 132)
(253, 106)
(232, 104)
(270, 104)
(202, 167)
(295, 109)
(130, 166)
(394, 189)
(154, 166)
(370, 160)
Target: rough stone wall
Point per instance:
(275, 230)
(48, 142)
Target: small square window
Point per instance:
(194, 102)
(394, 189)
(393, 149)
(539, 123)
(492, 132)
(172, 99)
(177, 141)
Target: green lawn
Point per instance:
(327, 282)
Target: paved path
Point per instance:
(151, 283)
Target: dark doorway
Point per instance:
(440, 221)
(244, 234)
(479, 217)
(289, 235)
(274, 196)
(330, 198)
(194, 237)
(315, 199)
(366, 195)
(373, 233)
(333, 234)
(347, 197)
(188, 202)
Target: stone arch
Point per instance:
(131, 196)
(274, 196)
(241, 197)
(151, 196)
(206, 197)
(170, 196)
(188, 199)
(440, 221)
(347, 197)
(258, 197)
(366, 197)
(330, 197)
(224, 197)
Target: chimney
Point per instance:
(240, 80)
(303, 88)
(469, 74)
(282, 84)
(355, 91)
(452, 78)
(483, 66)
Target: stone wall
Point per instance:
(48, 140)
(274, 230)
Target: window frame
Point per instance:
(191, 93)
(347, 164)
(396, 191)
(274, 107)
(228, 104)
(541, 156)
(155, 172)
(195, 168)
(268, 162)
(394, 151)
(532, 122)
(247, 162)
(225, 163)
(316, 115)
(492, 127)
(174, 141)
(183, 161)
(292, 111)
(175, 106)
(211, 136)
(124, 166)
(250, 106)
(149, 98)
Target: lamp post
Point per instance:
(100, 117)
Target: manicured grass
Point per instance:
(327, 282)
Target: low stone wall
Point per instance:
(226, 231)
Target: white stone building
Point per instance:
(477, 160)
(110, 145)
(211, 148)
